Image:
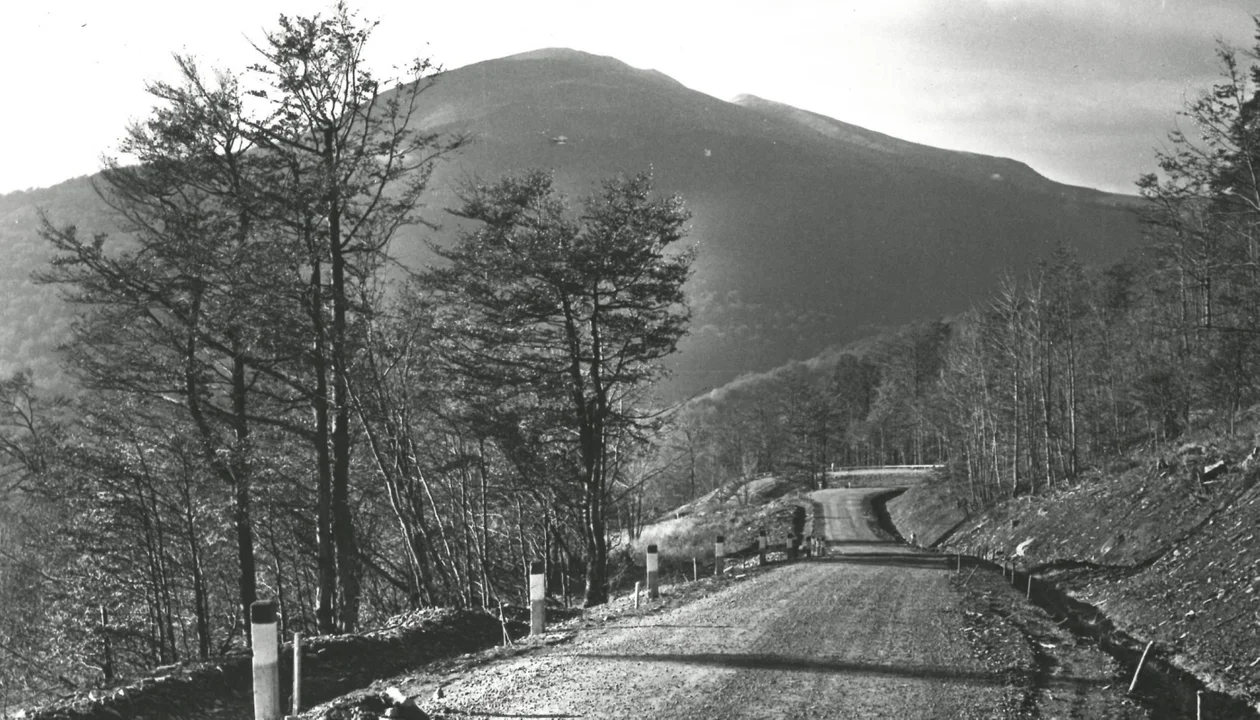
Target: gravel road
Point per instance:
(871, 631)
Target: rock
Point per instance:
(1023, 547)
(1190, 449)
(1216, 468)
(395, 695)
(406, 712)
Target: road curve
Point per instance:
(847, 515)
(871, 631)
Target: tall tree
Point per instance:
(574, 312)
(348, 169)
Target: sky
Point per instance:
(1084, 91)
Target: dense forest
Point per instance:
(267, 404)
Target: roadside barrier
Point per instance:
(537, 598)
(266, 662)
(653, 573)
(297, 673)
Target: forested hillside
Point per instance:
(271, 397)
(1057, 373)
(265, 407)
(809, 232)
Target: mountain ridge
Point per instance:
(808, 238)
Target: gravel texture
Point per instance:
(873, 630)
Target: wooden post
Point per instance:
(266, 662)
(762, 540)
(1139, 667)
(719, 555)
(537, 598)
(653, 573)
(1028, 592)
(297, 673)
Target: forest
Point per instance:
(267, 404)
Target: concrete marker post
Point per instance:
(537, 598)
(719, 555)
(653, 573)
(297, 673)
(695, 570)
(266, 661)
(637, 588)
(762, 540)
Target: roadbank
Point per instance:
(1150, 554)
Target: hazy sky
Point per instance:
(1082, 90)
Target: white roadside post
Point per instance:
(297, 673)
(653, 573)
(266, 645)
(537, 598)
(762, 540)
(719, 555)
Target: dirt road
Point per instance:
(868, 632)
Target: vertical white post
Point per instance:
(537, 598)
(265, 642)
(719, 555)
(762, 541)
(636, 594)
(695, 570)
(653, 573)
(297, 673)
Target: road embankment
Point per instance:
(1148, 555)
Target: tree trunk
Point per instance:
(326, 559)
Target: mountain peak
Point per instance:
(560, 53)
(555, 58)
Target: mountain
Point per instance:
(811, 232)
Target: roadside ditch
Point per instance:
(1167, 692)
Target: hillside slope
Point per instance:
(1167, 553)
(811, 232)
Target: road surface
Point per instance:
(871, 631)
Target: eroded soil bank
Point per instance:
(1146, 553)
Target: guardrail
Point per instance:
(860, 468)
